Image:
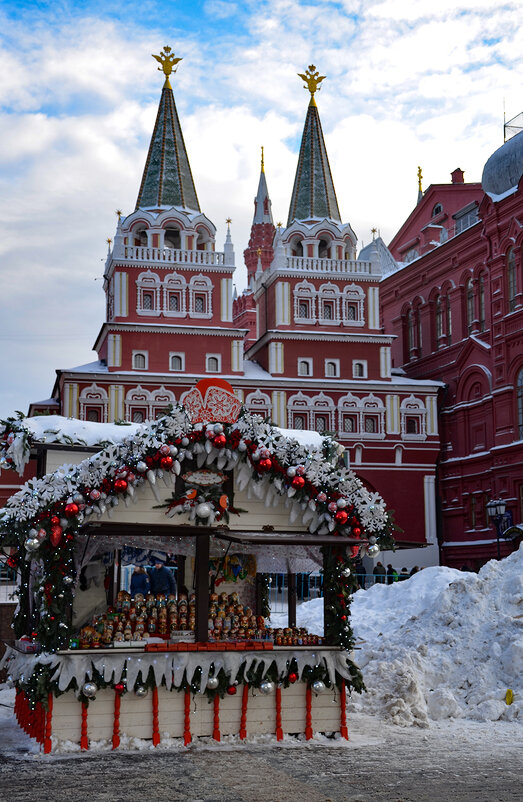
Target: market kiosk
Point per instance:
(230, 498)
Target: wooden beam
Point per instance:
(291, 598)
(201, 577)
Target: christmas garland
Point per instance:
(42, 520)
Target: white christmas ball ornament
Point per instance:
(373, 550)
(141, 466)
(372, 539)
(89, 689)
(291, 472)
(341, 503)
(203, 510)
(346, 572)
(212, 683)
(267, 687)
(218, 428)
(318, 686)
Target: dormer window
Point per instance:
(438, 208)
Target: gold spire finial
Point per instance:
(229, 221)
(374, 231)
(259, 251)
(312, 80)
(109, 240)
(167, 61)
(118, 213)
(279, 224)
(262, 161)
(420, 176)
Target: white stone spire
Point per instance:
(228, 248)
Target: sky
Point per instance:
(408, 83)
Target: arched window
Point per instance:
(410, 331)
(139, 361)
(481, 301)
(438, 208)
(213, 364)
(519, 385)
(304, 367)
(176, 361)
(172, 238)
(332, 368)
(200, 289)
(439, 321)
(138, 416)
(469, 292)
(511, 279)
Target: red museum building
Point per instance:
(303, 345)
(454, 300)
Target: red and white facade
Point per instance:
(455, 304)
(303, 345)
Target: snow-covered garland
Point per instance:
(43, 518)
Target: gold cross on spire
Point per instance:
(312, 80)
(229, 221)
(420, 176)
(262, 161)
(374, 231)
(167, 62)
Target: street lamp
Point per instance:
(496, 511)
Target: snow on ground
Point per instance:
(441, 645)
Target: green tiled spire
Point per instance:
(313, 196)
(167, 179)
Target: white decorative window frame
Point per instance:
(413, 407)
(259, 403)
(175, 283)
(352, 294)
(140, 352)
(200, 285)
(363, 364)
(208, 357)
(302, 360)
(349, 405)
(336, 363)
(323, 405)
(372, 405)
(299, 404)
(94, 397)
(148, 282)
(329, 293)
(305, 291)
(181, 354)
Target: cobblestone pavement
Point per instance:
(455, 763)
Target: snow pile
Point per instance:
(443, 644)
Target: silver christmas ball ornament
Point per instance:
(218, 428)
(341, 503)
(185, 442)
(267, 687)
(346, 573)
(31, 544)
(291, 472)
(89, 689)
(318, 686)
(141, 467)
(212, 683)
(372, 539)
(373, 550)
(68, 580)
(141, 691)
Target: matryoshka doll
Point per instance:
(151, 625)
(128, 632)
(260, 622)
(192, 622)
(213, 598)
(161, 600)
(223, 598)
(234, 598)
(149, 601)
(182, 622)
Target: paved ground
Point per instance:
(452, 763)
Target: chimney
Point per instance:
(457, 176)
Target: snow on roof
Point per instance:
(57, 429)
(90, 367)
(305, 437)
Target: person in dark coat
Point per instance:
(404, 574)
(414, 570)
(392, 575)
(161, 580)
(379, 572)
(139, 581)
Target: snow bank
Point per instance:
(443, 644)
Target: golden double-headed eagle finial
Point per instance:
(312, 79)
(167, 61)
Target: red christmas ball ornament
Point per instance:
(293, 677)
(94, 495)
(71, 510)
(55, 520)
(264, 465)
(119, 687)
(166, 463)
(343, 617)
(232, 690)
(120, 485)
(298, 482)
(56, 535)
(341, 517)
(356, 531)
(219, 441)
(165, 449)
